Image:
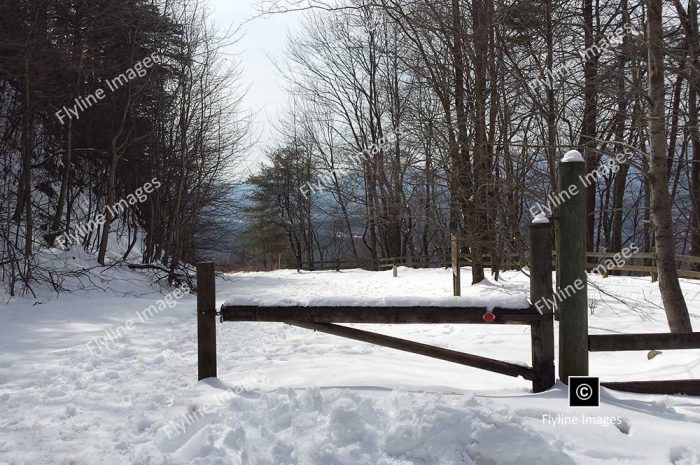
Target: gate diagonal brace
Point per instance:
(484, 363)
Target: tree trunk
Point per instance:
(671, 293)
(109, 217)
(620, 181)
(588, 128)
(27, 154)
(693, 47)
(65, 181)
(479, 220)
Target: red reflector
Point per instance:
(489, 317)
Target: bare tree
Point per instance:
(671, 293)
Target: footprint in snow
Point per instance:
(683, 456)
(624, 426)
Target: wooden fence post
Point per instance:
(206, 320)
(542, 332)
(572, 287)
(456, 271)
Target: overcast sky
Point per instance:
(262, 38)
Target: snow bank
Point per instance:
(342, 426)
(291, 396)
(359, 288)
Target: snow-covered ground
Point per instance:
(291, 396)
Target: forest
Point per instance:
(483, 98)
(407, 124)
(101, 101)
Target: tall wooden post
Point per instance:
(557, 268)
(456, 271)
(541, 292)
(572, 287)
(206, 320)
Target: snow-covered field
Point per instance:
(291, 396)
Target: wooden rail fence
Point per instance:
(575, 342)
(648, 341)
(639, 264)
(327, 318)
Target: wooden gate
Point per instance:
(327, 318)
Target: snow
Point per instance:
(359, 288)
(541, 218)
(291, 396)
(573, 156)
